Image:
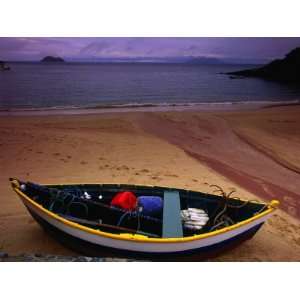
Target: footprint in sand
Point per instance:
(155, 177)
(144, 171)
(56, 154)
(282, 225)
(83, 162)
(292, 210)
(171, 175)
(122, 168)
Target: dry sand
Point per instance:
(255, 153)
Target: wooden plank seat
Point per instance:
(172, 225)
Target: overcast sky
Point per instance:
(252, 49)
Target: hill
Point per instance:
(284, 70)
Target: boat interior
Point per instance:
(96, 212)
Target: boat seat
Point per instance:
(172, 225)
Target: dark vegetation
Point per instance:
(283, 70)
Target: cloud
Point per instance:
(141, 47)
(81, 48)
(32, 48)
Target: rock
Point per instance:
(283, 70)
(4, 257)
(4, 66)
(52, 59)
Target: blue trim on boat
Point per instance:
(92, 249)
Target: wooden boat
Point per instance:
(92, 225)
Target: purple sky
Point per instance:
(248, 49)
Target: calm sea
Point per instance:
(34, 85)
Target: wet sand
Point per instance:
(259, 150)
(253, 152)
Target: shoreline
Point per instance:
(144, 107)
(184, 149)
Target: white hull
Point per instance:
(142, 246)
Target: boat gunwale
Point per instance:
(139, 237)
(144, 186)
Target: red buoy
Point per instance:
(125, 200)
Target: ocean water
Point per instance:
(34, 85)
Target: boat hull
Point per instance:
(98, 245)
(91, 249)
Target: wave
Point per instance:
(142, 106)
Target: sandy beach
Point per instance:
(254, 152)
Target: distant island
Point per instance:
(283, 70)
(52, 59)
(202, 60)
(197, 60)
